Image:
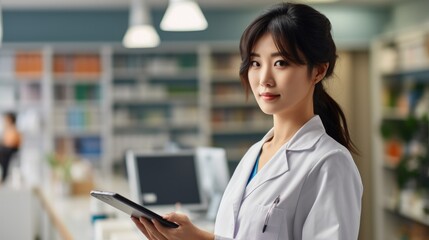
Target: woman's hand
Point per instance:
(186, 230)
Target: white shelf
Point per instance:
(161, 127)
(240, 128)
(186, 74)
(420, 70)
(222, 77)
(419, 218)
(233, 104)
(76, 77)
(9, 76)
(162, 101)
(62, 105)
(35, 76)
(78, 132)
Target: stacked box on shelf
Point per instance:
(88, 147)
(28, 64)
(30, 93)
(78, 65)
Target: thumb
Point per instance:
(177, 217)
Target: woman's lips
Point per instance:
(269, 96)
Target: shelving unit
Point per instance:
(78, 81)
(23, 91)
(236, 123)
(155, 99)
(400, 92)
(95, 102)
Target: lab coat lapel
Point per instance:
(305, 138)
(274, 168)
(240, 184)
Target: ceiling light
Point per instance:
(183, 15)
(140, 33)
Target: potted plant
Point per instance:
(61, 172)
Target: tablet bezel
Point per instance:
(126, 205)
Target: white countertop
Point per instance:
(71, 215)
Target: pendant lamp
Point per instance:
(140, 33)
(183, 15)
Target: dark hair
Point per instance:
(303, 37)
(11, 116)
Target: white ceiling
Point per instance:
(103, 4)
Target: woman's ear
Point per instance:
(320, 72)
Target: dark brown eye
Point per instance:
(280, 63)
(254, 64)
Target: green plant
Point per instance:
(410, 131)
(61, 166)
(388, 130)
(409, 128)
(404, 173)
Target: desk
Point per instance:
(69, 218)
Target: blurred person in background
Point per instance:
(10, 143)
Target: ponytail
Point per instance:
(332, 117)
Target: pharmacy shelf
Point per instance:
(400, 68)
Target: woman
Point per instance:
(10, 143)
(299, 181)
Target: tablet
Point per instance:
(133, 209)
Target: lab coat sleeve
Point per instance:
(222, 238)
(329, 206)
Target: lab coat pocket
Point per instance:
(275, 223)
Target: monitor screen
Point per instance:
(164, 179)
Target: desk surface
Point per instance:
(71, 215)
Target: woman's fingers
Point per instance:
(141, 227)
(177, 218)
(152, 230)
(163, 230)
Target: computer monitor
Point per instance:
(166, 178)
(214, 169)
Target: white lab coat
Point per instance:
(318, 183)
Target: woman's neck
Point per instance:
(285, 126)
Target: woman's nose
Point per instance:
(266, 78)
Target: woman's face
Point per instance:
(278, 85)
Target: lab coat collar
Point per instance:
(305, 138)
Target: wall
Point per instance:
(350, 87)
(353, 27)
(408, 14)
